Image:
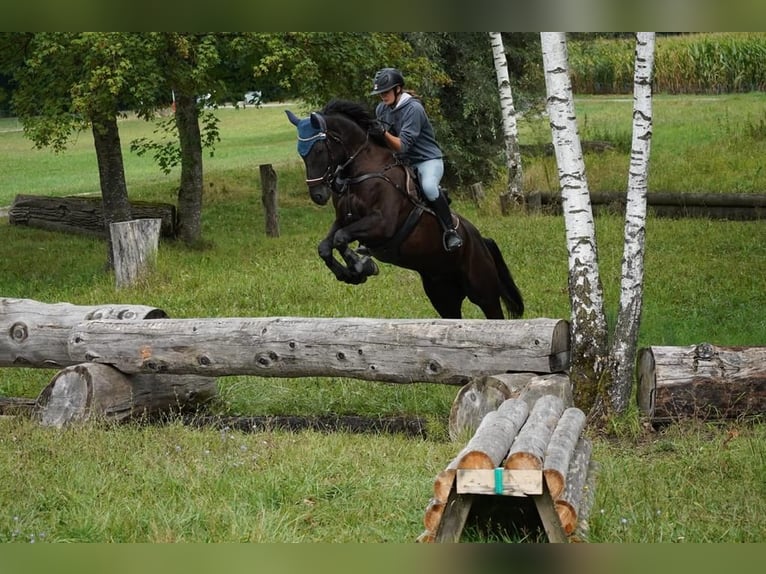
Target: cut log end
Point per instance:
(555, 482)
(523, 461)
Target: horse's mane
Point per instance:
(354, 111)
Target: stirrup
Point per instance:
(452, 240)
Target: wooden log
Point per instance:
(445, 351)
(35, 334)
(92, 391)
(472, 403)
(269, 199)
(528, 449)
(702, 381)
(560, 449)
(83, 215)
(492, 440)
(552, 384)
(13, 406)
(571, 503)
(734, 206)
(134, 249)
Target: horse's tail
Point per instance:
(510, 294)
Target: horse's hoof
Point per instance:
(366, 266)
(370, 267)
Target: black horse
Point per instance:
(377, 204)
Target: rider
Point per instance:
(408, 131)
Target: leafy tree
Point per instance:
(66, 82)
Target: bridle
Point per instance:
(332, 177)
(334, 169)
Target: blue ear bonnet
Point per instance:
(308, 135)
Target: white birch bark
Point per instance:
(508, 112)
(622, 356)
(588, 321)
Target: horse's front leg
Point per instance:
(349, 273)
(360, 264)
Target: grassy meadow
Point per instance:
(687, 482)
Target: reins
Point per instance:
(333, 176)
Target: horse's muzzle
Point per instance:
(320, 194)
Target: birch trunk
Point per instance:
(588, 323)
(622, 357)
(508, 111)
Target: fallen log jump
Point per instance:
(446, 351)
(113, 353)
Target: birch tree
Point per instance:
(602, 378)
(508, 112)
(588, 321)
(622, 356)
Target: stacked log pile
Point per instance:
(518, 450)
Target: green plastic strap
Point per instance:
(498, 481)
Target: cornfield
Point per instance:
(710, 63)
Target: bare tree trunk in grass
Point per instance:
(111, 173)
(510, 130)
(588, 321)
(190, 193)
(622, 357)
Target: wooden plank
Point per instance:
(453, 520)
(549, 517)
(499, 481)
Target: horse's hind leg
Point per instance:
(446, 294)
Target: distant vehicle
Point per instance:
(205, 101)
(253, 98)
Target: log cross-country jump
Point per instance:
(447, 351)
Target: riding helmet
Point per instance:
(385, 79)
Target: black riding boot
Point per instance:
(451, 240)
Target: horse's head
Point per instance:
(320, 162)
(340, 131)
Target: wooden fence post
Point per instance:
(269, 199)
(134, 245)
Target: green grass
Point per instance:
(688, 482)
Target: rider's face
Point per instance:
(388, 97)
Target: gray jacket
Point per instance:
(409, 122)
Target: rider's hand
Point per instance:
(377, 128)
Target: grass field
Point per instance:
(692, 482)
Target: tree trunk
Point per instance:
(510, 130)
(702, 381)
(622, 358)
(190, 192)
(111, 173)
(588, 320)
